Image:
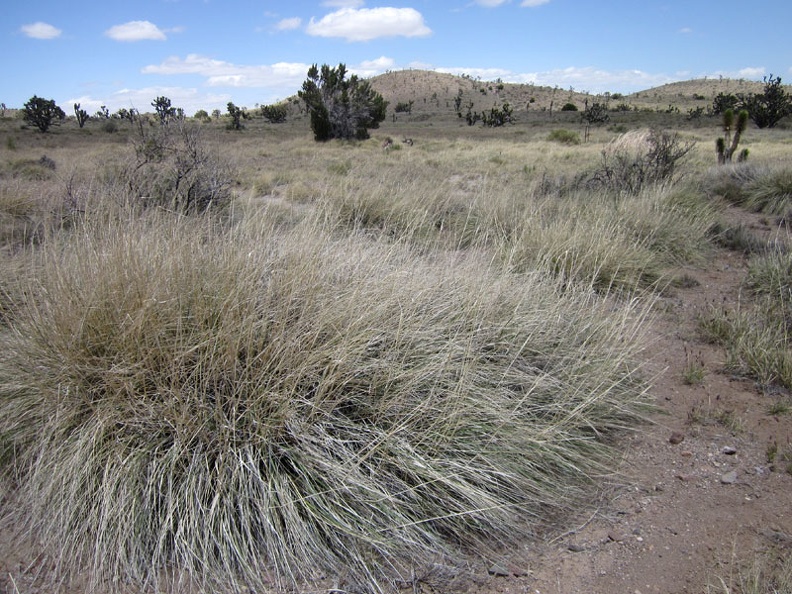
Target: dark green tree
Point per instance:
(165, 112)
(340, 107)
(766, 109)
(237, 114)
(724, 101)
(81, 115)
(42, 112)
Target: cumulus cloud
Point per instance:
(218, 73)
(343, 3)
(532, 3)
(365, 24)
(491, 3)
(751, 72)
(588, 79)
(40, 30)
(289, 24)
(373, 67)
(136, 31)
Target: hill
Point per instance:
(433, 92)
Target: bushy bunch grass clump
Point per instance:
(255, 406)
(766, 189)
(615, 243)
(756, 333)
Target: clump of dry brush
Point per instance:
(246, 407)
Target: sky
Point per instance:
(202, 54)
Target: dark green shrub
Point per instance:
(42, 113)
(564, 136)
(569, 107)
(766, 109)
(340, 107)
(275, 114)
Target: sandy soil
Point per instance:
(694, 498)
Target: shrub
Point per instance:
(569, 107)
(275, 114)
(640, 158)
(564, 136)
(175, 168)
(256, 407)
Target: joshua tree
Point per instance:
(162, 105)
(727, 144)
(237, 115)
(41, 112)
(81, 115)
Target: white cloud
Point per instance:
(751, 72)
(289, 24)
(588, 79)
(40, 30)
(532, 3)
(343, 3)
(491, 3)
(136, 31)
(369, 68)
(366, 24)
(287, 76)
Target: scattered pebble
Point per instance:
(729, 450)
(729, 478)
(576, 548)
(499, 570)
(676, 437)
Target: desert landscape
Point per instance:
(519, 339)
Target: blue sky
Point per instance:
(204, 53)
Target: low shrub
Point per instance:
(564, 136)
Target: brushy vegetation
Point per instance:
(756, 334)
(334, 374)
(246, 406)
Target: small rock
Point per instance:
(615, 536)
(729, 478)
(498, 570)
(576, 548)
(676, 437)
(729, 450)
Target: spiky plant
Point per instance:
(726, 145)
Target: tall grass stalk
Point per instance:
(250, 406)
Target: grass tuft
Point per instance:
(249, 406)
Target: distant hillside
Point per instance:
(435, 92)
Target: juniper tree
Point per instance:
(766, 109)
(42, 112)
(341, 107)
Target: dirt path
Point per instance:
(696, 496)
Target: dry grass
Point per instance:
(247, 406)
(368, 361)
